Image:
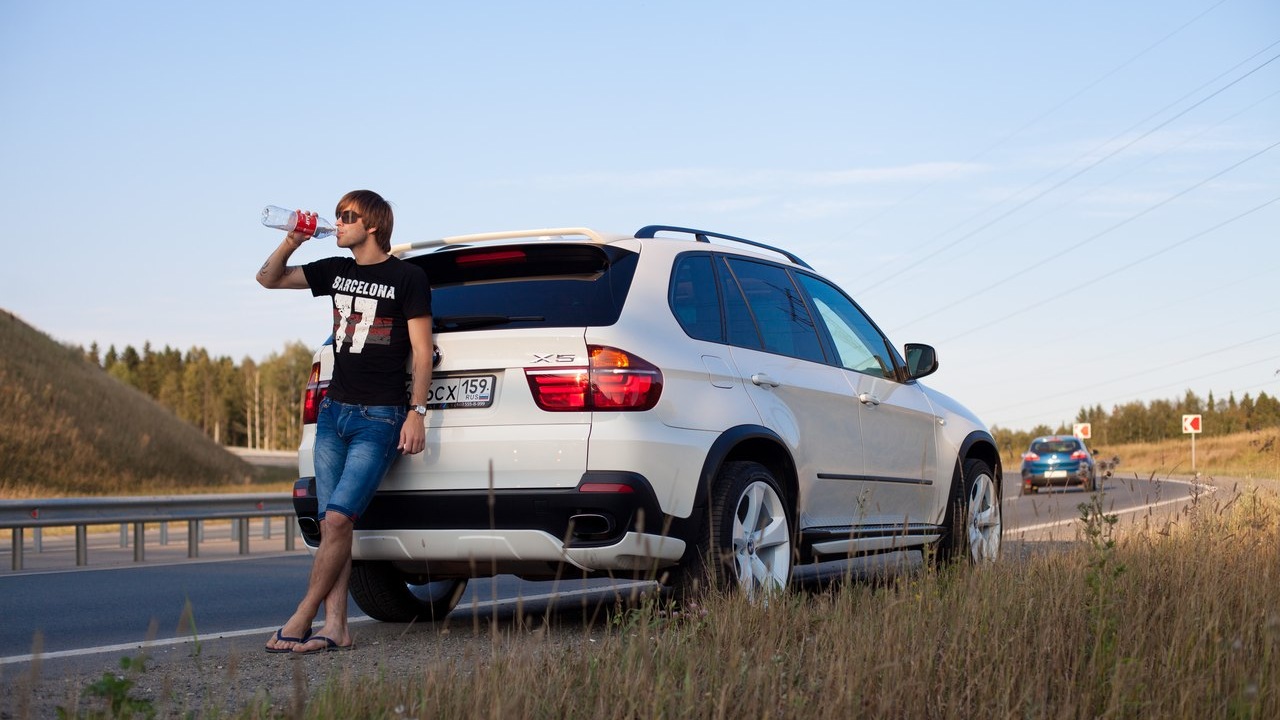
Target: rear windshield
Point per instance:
(1054, 446)
(529, 285)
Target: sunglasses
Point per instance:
(349, 216)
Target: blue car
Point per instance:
(1058, 460)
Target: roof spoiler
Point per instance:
(540, 234)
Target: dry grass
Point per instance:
(1242, 455)
(1177, 622)
(68, 428)
(1245, 455)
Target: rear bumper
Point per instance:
(517, 531)
(1072, 477)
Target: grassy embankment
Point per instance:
(67, 428)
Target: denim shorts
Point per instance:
(355, 446)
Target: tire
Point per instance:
(386, 594)
(972, 526)
(747, 544)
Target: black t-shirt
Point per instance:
(371, 308)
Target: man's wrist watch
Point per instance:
(420, 409)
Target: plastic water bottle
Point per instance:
(277, 217)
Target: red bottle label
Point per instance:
(305, 225)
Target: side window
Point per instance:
(694, 300)
(858, 343)
(778, 307)
(739, 324)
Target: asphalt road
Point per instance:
(80, 612)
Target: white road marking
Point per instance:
(1208, 489)
(266, 631)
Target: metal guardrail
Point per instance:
(80, 513)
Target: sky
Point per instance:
(1076, 203)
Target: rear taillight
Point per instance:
(315, 393)
(1030, 457)
(613, 380)
(1079, 455)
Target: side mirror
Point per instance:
(921, 360)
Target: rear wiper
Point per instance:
(467, 322)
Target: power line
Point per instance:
(1123, 268)
(1084, 169)
(988, 287)
(1142, 164)
(1183, 383)
(1037, 119)
(1145, 371)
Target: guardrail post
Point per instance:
(193, 538)
(242, 530)
(17, 548)
(82, 546)
(164, 533)
(124, 535)
(266, 528)
(37, 539)
(139, 542)
(290, 533)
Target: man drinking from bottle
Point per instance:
(381, 319)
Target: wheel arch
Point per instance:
(981, 445)
(752, 443)
(742, 442)
(748, 442)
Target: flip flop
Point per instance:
(329, 646)
(284, 638)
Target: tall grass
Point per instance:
(67, 428)
(1182, 621)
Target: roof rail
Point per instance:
(548, 233)
(650, 231)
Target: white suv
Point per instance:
(657, 406)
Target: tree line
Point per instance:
(1141, 422)
(250, 404)
(258, 404)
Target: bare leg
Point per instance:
(330, 568)
(331, 587)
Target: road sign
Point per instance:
(1084, 431)
(1191, 424)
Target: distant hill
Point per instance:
(69, 428)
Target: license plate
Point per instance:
(464, 391)
(1056, 474)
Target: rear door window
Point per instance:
(528, 285)
(777, 307)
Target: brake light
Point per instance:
(613, 380)
(1030, 457)
(1079, 455)
(495, 257)
(316, 391)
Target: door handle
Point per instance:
(763, 379)
(868, 399)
